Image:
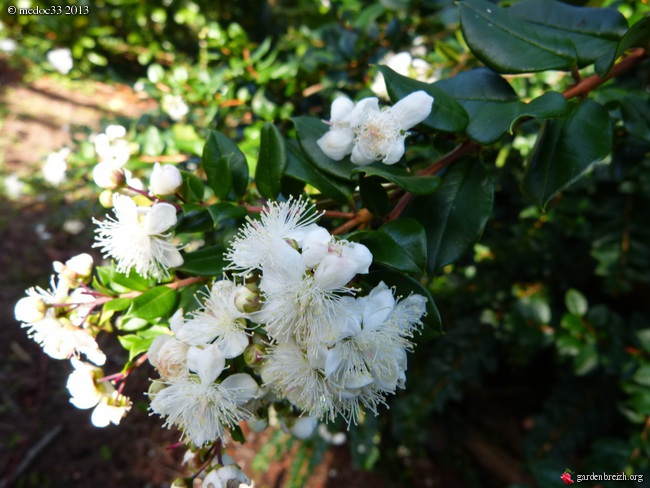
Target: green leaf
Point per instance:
(454, 216)
(117, 304)
(593, 31)
(576, 303)
(300, 169)
(637, 35)
(153, 303)
(418, 185)
(134, 344)
(309, 130)
(477, 88)
(636, 116)
(405, 285)
(447, 115)
(507, 44)
(192, 189)
(195, 219)
(374, 196)
(271, 162)
(153, 144)
(226, 210)
(493, 120)
(400, 244)
(225, 165)
(204, 262)
(132, 281)
(565, 149)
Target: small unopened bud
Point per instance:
(30, 309)
(247, 298)
(293, 243)
(254, 354)
(108, 176)
(106, 199)
(156, 387)
(165, 180)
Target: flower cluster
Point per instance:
(372, 134)
(297, 320)
(113, 151)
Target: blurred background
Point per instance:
(545, 360)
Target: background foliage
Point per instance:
(523, 209)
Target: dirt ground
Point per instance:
(46, 441)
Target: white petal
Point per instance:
(244, 386)
(171, 257)
(412, 109)
(304, 427)
(208, 362)
(315, 246)
(336, 143)
(125, 209)
(155, 347)
(160, 218)
(233, 343)
(333, 272)
(341, 109)
(395, 153)
(362, 109)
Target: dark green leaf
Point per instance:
(636, 116)
(309, 130)
(225, 165)
(271, 163)
(193, 189)
(493, 120)
(576, 303)
(225, 210)
(593, 31)
(195, 219)
(637, 35)
(300, 169)
(153, 303)
(204, 262)
(476, 88)
(454, 216)
(507, 44)
(418, 185)
(237, 434)
(565, 149)
(374, 196)
(446, 115)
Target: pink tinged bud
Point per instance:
(165, 180)
(254, 354)
(108, 176)
(247, 299)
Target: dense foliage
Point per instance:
(519, 210)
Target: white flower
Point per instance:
(339, 140)
(110, 410)
(136, 239)
(13, 186)
(253, 244)
(165, 180)
(108, 175)
(218, 321)
(229, 476)
(198, 405)
(174, 106)
(75, 269)
(377, 134)
(8, 45)
(60, 59)
(55, 167)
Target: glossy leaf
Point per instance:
(271, 162)
(155, 302)
(117, 304)
(226, 210)
(477, 88)
(204, 262)
(131, 281)
(507, 44)
(374, 196)
(637, 36)
(494, 120)
(593, 31)
(309, 130)
(454, 216)
(225, 165)
(446, 115)
(300, 169)
(565, 149)
(418, 185)
(195, 219)
(192, 189)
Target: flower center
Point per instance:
(378, 134)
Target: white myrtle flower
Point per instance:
(197, 404)
(75, 269)
(136, 238)
(167, 354)
(218, 322)
(55, 167)
(60, 59)
(228, 476)
(286, 220)
(377, 134)
(165, 180)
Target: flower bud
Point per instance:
(165, 180)
(156, 387)
(106, 199)
(247, 298)
(108, 176)
(254, 354)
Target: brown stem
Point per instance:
(364, 216)
(588, 84)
